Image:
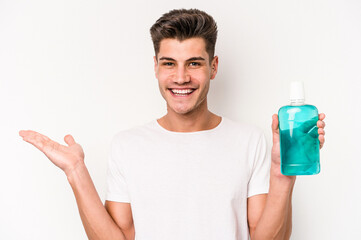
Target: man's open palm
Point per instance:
(65, 157)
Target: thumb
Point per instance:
(69, 139)
(275, 129)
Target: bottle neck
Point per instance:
(297, 102)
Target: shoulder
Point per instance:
(242, 129)
(134, 133)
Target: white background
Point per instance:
(86, 68)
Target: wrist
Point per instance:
(75, 169)
(276, 175)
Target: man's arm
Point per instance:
(275, 221)
(121, 213)
(289, 219)
(97, 222)
(255, 207)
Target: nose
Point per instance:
(182, 76)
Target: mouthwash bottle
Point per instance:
(300, 151)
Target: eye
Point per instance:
(194, 64)
(168, 64)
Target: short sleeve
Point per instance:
(117, 188)
(260, 174)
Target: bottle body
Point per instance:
(299, 144)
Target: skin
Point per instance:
(174, 68)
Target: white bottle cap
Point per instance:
(297, 92)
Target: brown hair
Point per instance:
(182, 24)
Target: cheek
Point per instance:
(161, 74)
(201, 77)
(163, 80)
(164, 74)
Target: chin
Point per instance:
(182, 111)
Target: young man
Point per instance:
(190, 174)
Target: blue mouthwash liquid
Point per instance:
(299, 144)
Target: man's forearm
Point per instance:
(97, 222)
(288, 229)
(276, 220)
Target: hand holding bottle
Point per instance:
(276, 159)
(64, 157)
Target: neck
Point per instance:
(197, 120)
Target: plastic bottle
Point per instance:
(299, 143)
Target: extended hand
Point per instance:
(65, 157)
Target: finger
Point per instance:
(35, 138)
(321, 116)
(322, 140)
(22, 133)
(27, 133)
(321, 131)
(69, 140)
(274, 123)
(321, 124)
(275, 128)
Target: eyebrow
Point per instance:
(190, 59)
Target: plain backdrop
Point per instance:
(86, 68)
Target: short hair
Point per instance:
(182, 24)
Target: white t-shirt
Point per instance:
(189, 185)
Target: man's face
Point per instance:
(184, 73)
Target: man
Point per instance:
(190, 174)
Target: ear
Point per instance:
(214, 67)
(155, 66)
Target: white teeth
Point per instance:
(185, 91)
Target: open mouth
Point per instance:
(181, 92)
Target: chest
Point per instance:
(184, 170)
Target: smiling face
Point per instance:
(184, 72)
